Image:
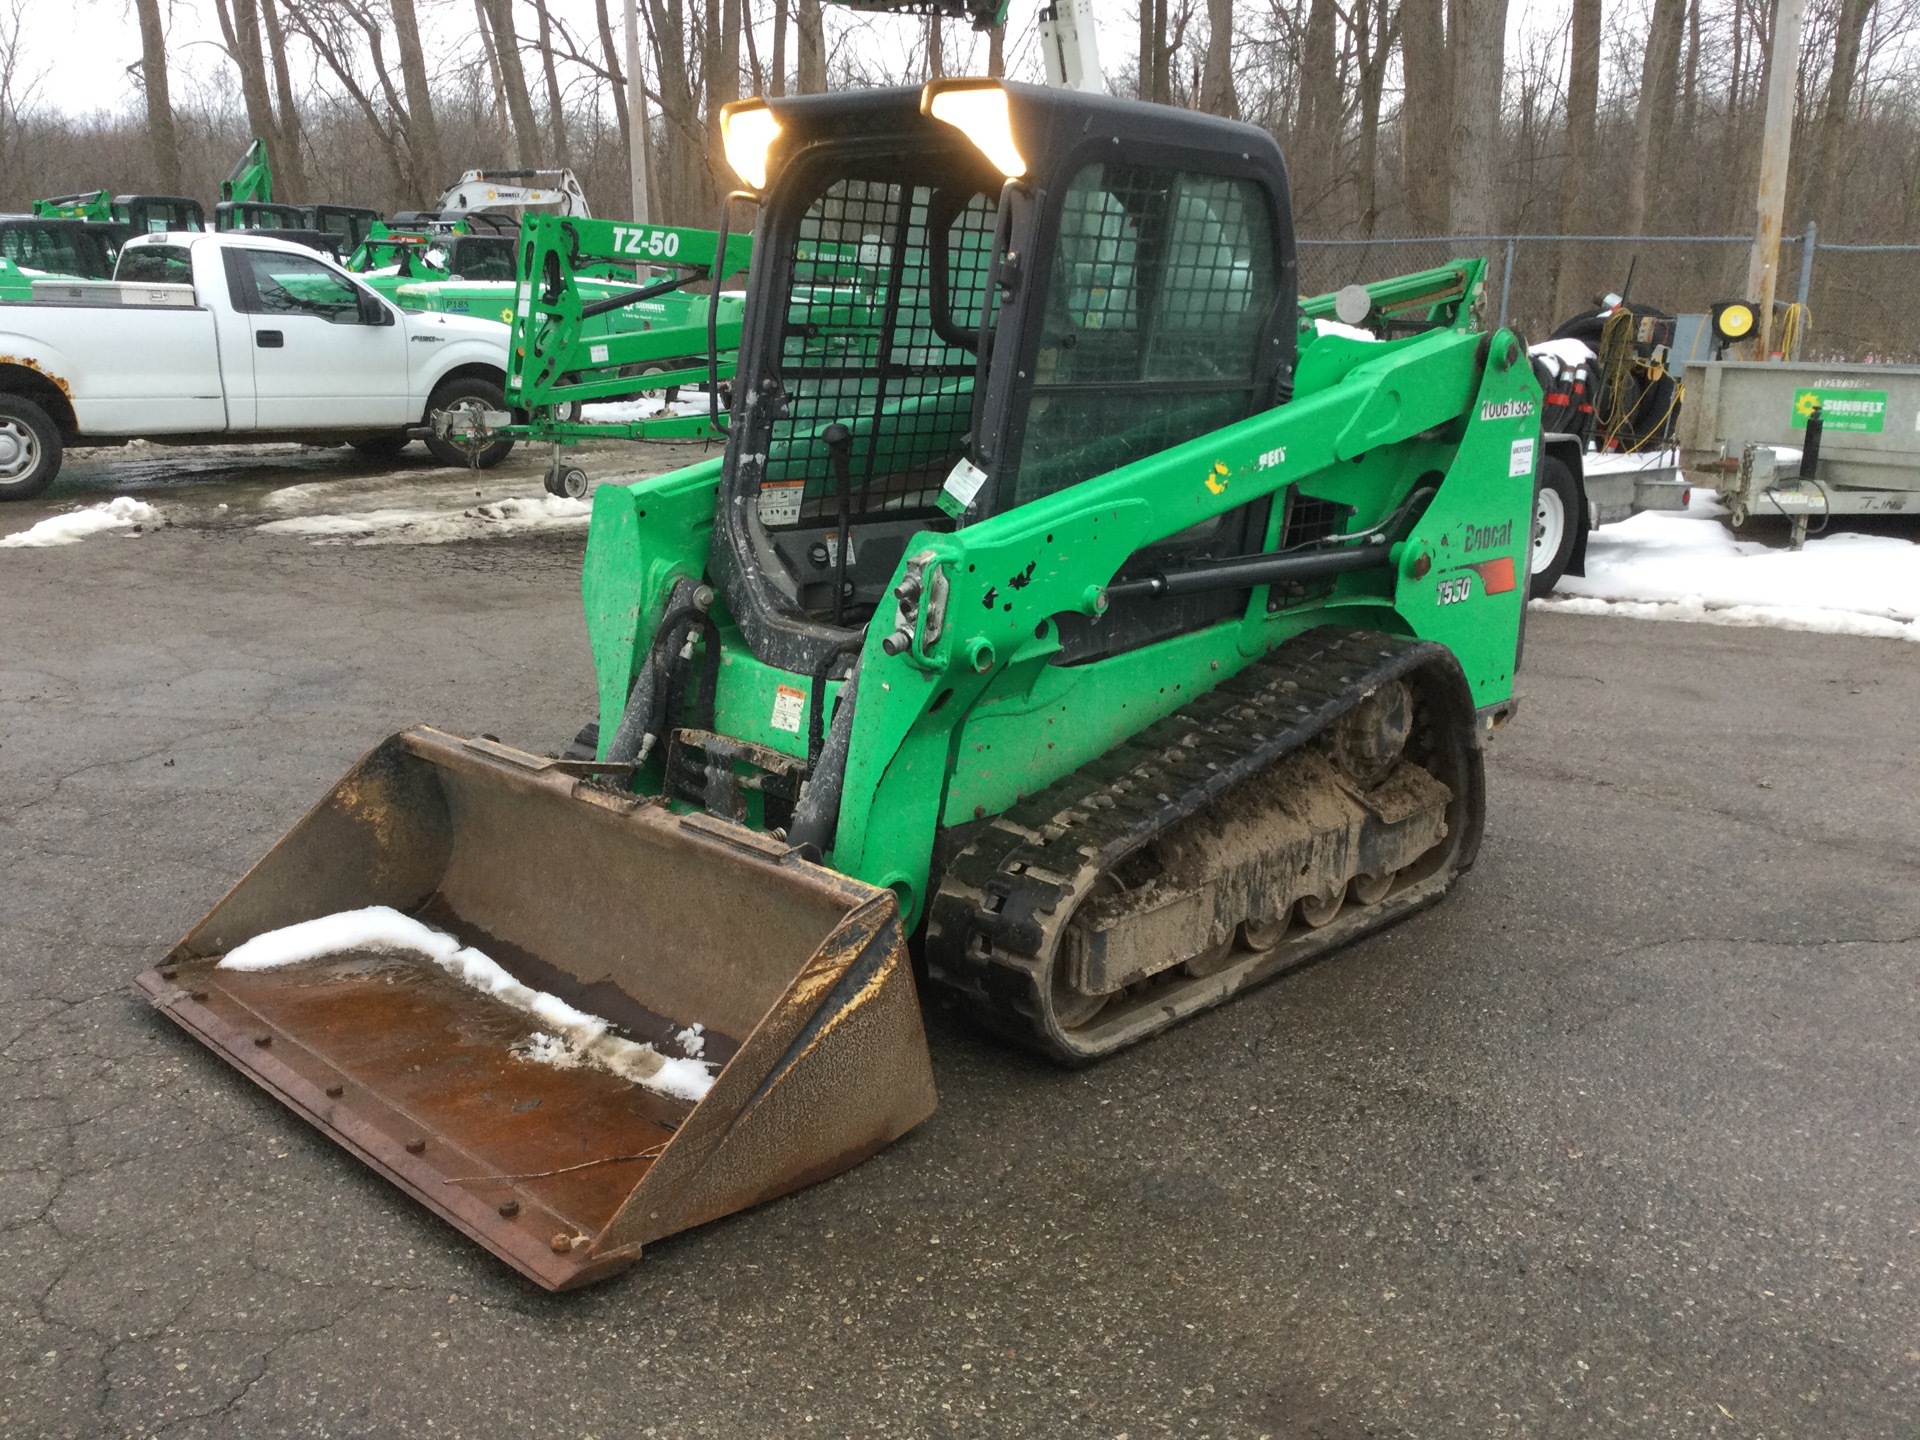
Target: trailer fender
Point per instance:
(1568, 450)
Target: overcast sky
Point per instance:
(81, 50)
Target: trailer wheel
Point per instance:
(1556, 513)
(30, 448)
(468, 393)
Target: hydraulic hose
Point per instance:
(817, 817)
(629, 741)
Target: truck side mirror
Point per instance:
(372, 312)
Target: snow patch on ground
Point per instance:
(76, 525)
(571, 1037)
(1686, 565)
(693, 1039)
(518, 515)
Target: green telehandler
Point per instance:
(1076, 620)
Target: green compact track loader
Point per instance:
(1077, 621)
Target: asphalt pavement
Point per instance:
(1618, 1140)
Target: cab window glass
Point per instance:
(1161, 287)
(295, 285)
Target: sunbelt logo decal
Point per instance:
(1506, 410)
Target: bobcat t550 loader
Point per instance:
(1074, 610)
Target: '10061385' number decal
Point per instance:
(1455, 588)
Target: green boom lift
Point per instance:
(1069, 600)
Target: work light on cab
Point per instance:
(747, 132)
(978, 110)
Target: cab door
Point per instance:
(327, 354)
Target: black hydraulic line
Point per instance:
(645, 292)
(636, 719)
(1241, 571)
(817, 817)
(839, 441)
(817, 696)
(667, 657)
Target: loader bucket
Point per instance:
(796, 977)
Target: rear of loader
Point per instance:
(1067, 598)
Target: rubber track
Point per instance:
(1005, 897)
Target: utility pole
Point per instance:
(1783, 69)
(636, 114)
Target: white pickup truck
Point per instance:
(208, 339)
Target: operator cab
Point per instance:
(948, 320)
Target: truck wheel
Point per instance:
(30, 448)
(1556, 511)
(474, 394)
(382, 447)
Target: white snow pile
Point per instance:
(611, 412)
(570, 1038)
(1686, 565)
(519, 515)
(74, 526)
(1565, 354)
(1324, 326)
(1628, 462)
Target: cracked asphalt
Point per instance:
(1617, 1141)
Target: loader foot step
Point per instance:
(1325, 791)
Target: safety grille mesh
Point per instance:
(861, 348)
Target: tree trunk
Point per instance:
(685, 188)
(1317, 114)
(812, 48)
(1216, 78)
(487, 43)
(1425, 116)
(1156, 56)
(556, 105)
(241, 29)
(1373, 41)
(754, 72)
(290, 173)
(1690, 84)
(153, 76)
(513, 80)
(1479, 64)
(936, 48)
(778, 87)
(1583, 102)
(996, 51)
(723, 85)
(1830, 129)
(423, 129)
(1653, 114)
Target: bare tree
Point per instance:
(290, 173)
(1376, 29)
(491, 46)
(240, 27)
(936, 47)
(1829, 131)
(513, 79)
(153, 78)
(1217, 95)
(1479, 34)
(1653, 112)
(812, 48)
(1583, 102)
(779, 75)
(423, 128)
(556, 103)
(1425, 114)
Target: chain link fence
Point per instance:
(1863, 303)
